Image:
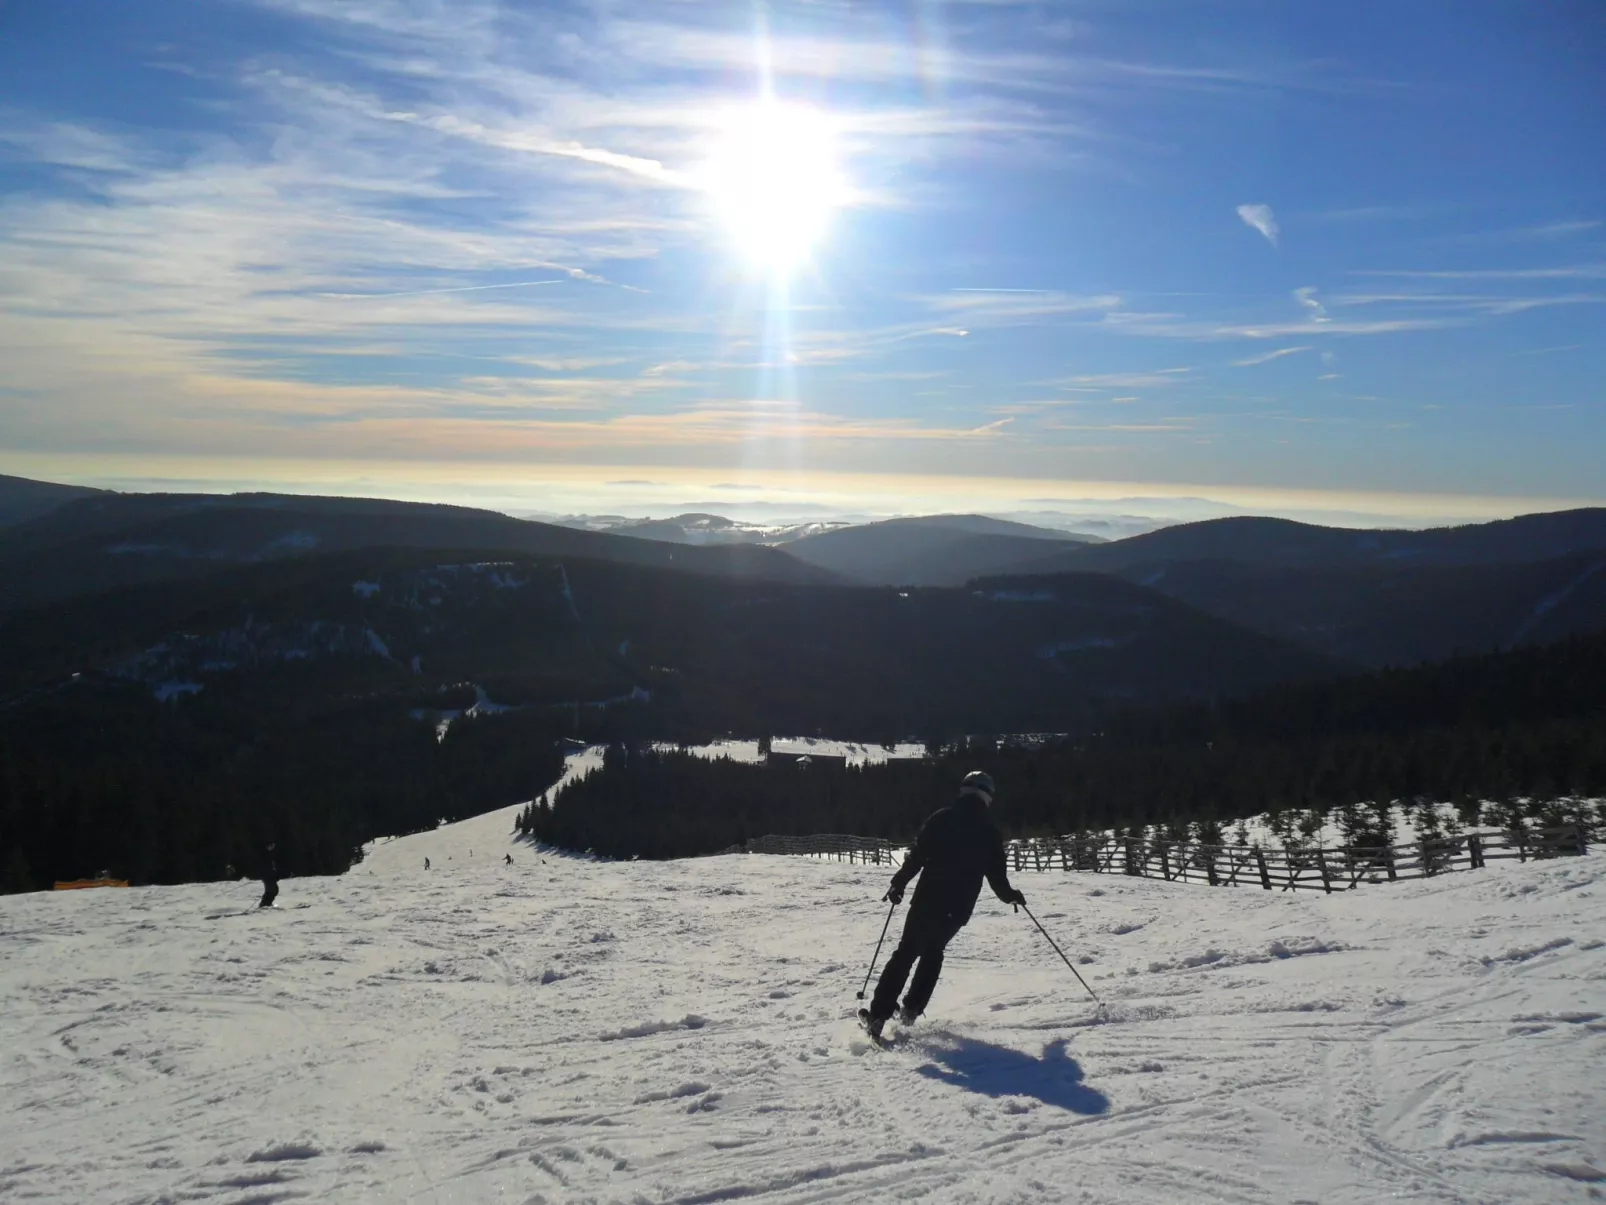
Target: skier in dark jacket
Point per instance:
(957, 847)
(270, 877)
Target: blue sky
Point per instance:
(1299, 257)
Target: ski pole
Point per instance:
(877, 954)
(1061, 953)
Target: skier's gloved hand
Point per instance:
(1016, 897)
(894, 894)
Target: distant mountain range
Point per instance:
(1364, 598)
(181, 675)
(1286, 544)
(91, 544)
(1375, 598)
(926, 550)
(934, 550)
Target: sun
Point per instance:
(776, 179)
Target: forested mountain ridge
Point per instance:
(1253, 540)
(166, 731)
(931, 550)
(1375, 597)
(22, 499)
(1378, 615)
(716, 652)
(1508, 738)
(104, 542)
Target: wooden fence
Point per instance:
(840, 846)
(1312, 869)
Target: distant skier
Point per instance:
(508, 859)
(270, 877)
(958, 846)
(426, 863)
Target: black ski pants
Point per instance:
(925, 937)
(270, 891)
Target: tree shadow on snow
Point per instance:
(1055, 1079)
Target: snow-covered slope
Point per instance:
(567, 1030)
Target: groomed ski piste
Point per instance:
(564, 1029)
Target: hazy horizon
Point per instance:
(1111, 509)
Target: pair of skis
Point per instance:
(871, 1032)
(864, 1013)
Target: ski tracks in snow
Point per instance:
(683, 1033)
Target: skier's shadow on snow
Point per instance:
(1055, 1079)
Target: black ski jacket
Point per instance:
(957, 847)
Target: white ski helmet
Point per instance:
(980, 782)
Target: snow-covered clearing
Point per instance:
(852, 752)
(568, 1030)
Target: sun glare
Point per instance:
(776, 179)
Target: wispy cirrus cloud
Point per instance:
(1433, 306)
(859, 51)
(1208, 331)
(513, 284)
(1261, 219)
(1543, 232)
(1007, 307)
(1314, 309)
(466, 153)
(1482, 303)
(1560, 230)
(1587, 271)
(1126, 428)
(1268, 357)
(1155, 379)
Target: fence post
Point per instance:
(1165, 865)
(1321, 865)
(1388, 861)
(1475, 850)
(1583, 839)
(1265, 875)
(1131, 869)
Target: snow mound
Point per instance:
(647, 1028)
(280, 1151)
